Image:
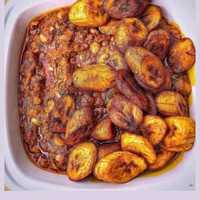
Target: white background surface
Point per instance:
(180, 16)
(1, 96)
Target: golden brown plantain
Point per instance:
(170, 103)
(154, 128)
(110, 28)
(111, 57)
(87, 13)
(130, 32)
(81, 161)
(158, 42)
(139, 145)
(163, 158)
(76, 124)
(119, 167)
(181, 134)
(94, 77)
(182, 84)
(182, 55)
(147, 68)
(172, 29)
(152, 17)
(103, 130)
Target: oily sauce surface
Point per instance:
(53, 49)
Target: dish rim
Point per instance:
(10, 164)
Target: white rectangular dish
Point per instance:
(18, 167)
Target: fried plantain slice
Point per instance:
(182, 84)
(172, 29)
(182, 55)
(124, 114)
(103, 130)
(181, 134)
(158, 42)
(163, 158)
(131, 32)
(111, 57)
(154, 128)
(139, 145)
(87, 13)
(152, 109)
(168, 80)
(152, 17)
(147, 68)
(125, 8)
(119, 167)
(170, 103)
(110, 28)
(81, 161)
(128, 87)
(76, 124)
(106, 149)
(94, 77)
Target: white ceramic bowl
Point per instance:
(19, 170)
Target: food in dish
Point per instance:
(104, 89)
